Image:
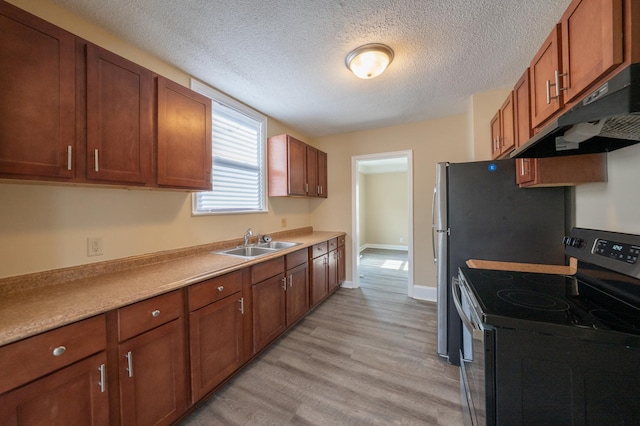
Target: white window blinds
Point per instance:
(238, 143)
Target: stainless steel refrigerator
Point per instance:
(479, 212)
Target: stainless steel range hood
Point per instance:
(606, 120)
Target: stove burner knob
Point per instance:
(573, 242)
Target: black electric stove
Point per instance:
(555, 348)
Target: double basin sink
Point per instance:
(257, 250)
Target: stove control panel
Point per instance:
(615, 250)
(611, 250)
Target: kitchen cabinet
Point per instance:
(297, 289)
(119, 118)
(319, 257)
(562, 171)
(295, 168)
(342, 260)
(592, 43)
(503, 129)
(41, 374)
(151, 355)
(37, 82)
(523, 131)
(184, 137)
(546, 98)
(216, 331)
(322, 175)
(269, 301)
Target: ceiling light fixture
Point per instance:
(369, 60)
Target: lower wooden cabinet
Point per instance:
(151, 366)
(269, 303)
(74, 395)
(216, 336)
(319, 274)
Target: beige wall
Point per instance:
(384, 210)
(45, 227)
(431, 141)
(482, 109)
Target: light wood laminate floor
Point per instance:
(385, 270)
(363, 357)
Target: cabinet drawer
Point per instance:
(318, 250)
(341, 240)
(36, 356)
(333, 244)
(209, 291)
(268, 269)
(296, 258)
(142, 316)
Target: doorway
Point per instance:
(382, 225)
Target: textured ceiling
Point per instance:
(286, 58)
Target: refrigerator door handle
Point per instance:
(433, 224)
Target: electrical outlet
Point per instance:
(402, 239)
(283, 222)
(94, 246)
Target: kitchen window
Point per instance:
(238, 148)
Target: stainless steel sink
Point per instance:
(258, 249)
(278, 245)
(250, 251)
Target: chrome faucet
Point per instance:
(247, 235)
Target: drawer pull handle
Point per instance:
(59, 351)
(102, 383)
(155, 313)
(129, 368)
(220, 288)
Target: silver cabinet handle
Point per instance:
(548, 92)
(220, 288)
(59, 350)
(557, 76)
(290, 280)
(522, 167)
(155, 313)
(242, 305)
(95, 159)
(129, 357)
(69, 148)
(284, 283)
(102, 383)
(306, 187)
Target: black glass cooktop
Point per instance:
(548, 303)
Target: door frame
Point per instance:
(355, 208)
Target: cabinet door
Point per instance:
(75, 395)
(546, 98)
(297, 292)
(216, 339)
(319, 273)
(342, 265)
(495, 135)
(507, 125)
(37, 91)
(525, 170)
(153, 376)
(322, 174)
(269, 320)
(312, 172)
(591, 42)
(184, 137)
(297, 166)
(332, 277)
(522, 110)
(119, 118)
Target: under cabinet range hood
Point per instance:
(605, 120)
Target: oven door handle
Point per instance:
(455, 294)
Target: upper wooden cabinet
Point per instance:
(503, 129)
(561, 171)
(295, 168)
(592, 43)
(37, 83)
(75, 112)
(184, 137)
(119, 118)
(546, 97)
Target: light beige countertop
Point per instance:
(31, 306)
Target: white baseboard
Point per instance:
(422, 292)
(384, 247)
(347, 284)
